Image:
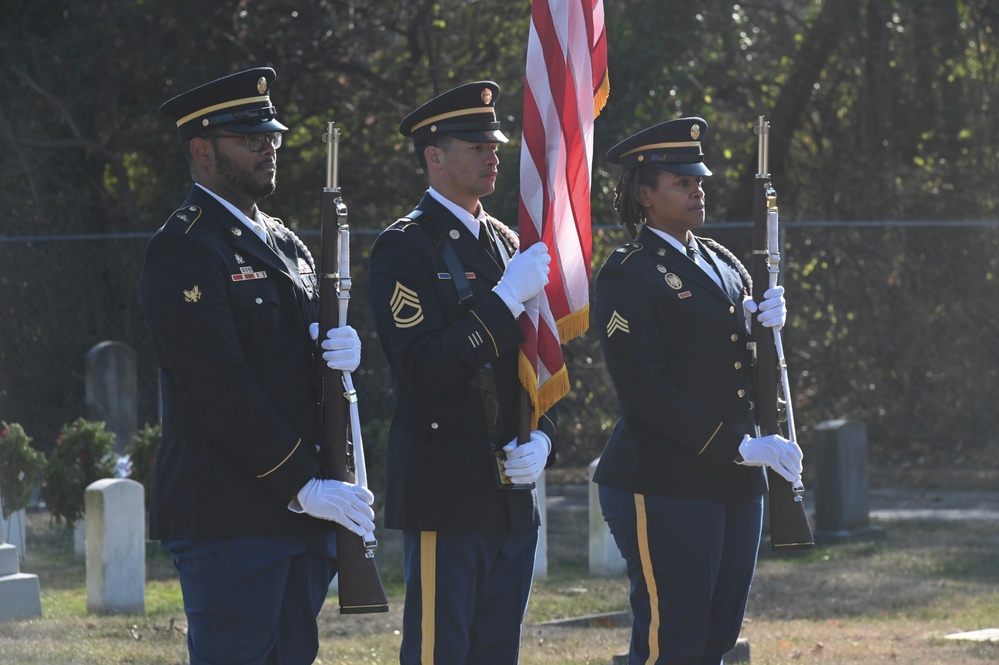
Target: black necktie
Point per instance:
(692, 253)
(487, 241)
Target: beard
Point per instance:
(242, 180)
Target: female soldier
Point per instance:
(680, 480)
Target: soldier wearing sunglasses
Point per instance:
(239, 496)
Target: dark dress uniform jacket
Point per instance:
(229, 317)
(439, 467)
(675, 347)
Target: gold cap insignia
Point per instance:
(261, 85)
(695, 131)
(487, 96)
(194, 295)
(673, 281)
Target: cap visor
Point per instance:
(697, 168)
(494, 136)
(255, 127)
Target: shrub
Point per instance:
(81, 456)
(142, 455)
(21, 468)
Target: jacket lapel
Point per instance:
(245, 242)
(472, 254)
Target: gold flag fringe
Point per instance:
(573, 325)
(544, 398)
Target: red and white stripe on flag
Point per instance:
(566, 88)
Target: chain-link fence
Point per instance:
(891, 324)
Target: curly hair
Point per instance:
(630, 213)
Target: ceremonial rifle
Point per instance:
(789, 528)
(360, 585)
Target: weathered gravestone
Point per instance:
(841, 490)
(111, 390)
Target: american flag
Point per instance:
(566, 88)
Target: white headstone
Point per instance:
(116, 547)
(605, 557)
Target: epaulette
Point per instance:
(405, 223)
(736, 263)
(187, 216)
(625, 252)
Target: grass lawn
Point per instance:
(890, 600)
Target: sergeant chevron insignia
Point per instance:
(616, 323)
(194, 295)
(406, 308)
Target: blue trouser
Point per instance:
(466, 596)
(254, 601)
(691, 563)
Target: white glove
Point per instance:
(337, 501)
(524, 278)
(773, 309)
(343, 347)
(525, 463)
(780, 454)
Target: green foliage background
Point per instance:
(880, 109)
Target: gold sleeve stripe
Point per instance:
(642, 531)
(428, 591)
(495, 346)
(281, 463)
(712, 438)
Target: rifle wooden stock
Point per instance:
(789, 527)
(360, 585)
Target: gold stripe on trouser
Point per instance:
(428, 592)
(642, 531)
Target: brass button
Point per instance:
(738, 365)
(259, 301)
(742, 393)
(434, 425)
(734, 337)
(731, 309)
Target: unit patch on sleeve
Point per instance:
(406, 308)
